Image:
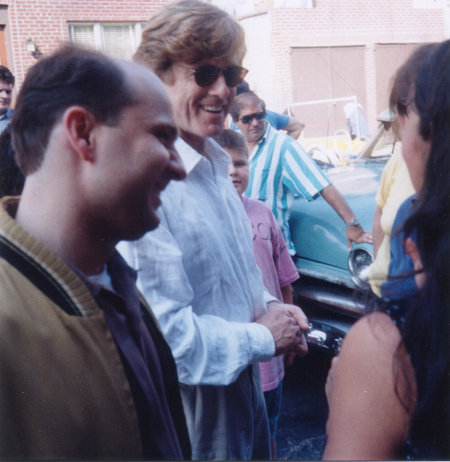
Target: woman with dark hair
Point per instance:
(389, 391)
(395, 184)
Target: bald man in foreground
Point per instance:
(84, 370)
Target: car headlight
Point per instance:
(359, 261)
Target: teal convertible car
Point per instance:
(333, 286)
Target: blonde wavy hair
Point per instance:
(188, 32)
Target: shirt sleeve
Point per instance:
(208, 350)
(301, 174)
(278, 121)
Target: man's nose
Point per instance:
(176, 166)
(254, 122)
(220, 87)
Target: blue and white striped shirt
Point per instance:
(280, 169)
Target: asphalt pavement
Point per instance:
(301, 427)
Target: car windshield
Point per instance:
(347, 138)
(342, 150)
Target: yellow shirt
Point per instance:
(395, 187)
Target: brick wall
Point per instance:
(271, 36)
(346, 22)
(45, 22)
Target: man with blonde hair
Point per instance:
(197, 270)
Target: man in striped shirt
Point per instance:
(280, 169)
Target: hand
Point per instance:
(354, 233)
(286, 324)
(330, 378)
(357, 235)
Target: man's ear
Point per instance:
(79, 124)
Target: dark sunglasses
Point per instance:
(257, 115)
(207, 74)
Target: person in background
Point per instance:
(395, 186)
(274, 261)
(197, 268)
(397, 285)
(11, 178)
(356, 122)
(85, 373)
(388, 390)
(6, 87)
(292, 126)
(280, 169)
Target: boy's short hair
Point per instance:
(231, 139)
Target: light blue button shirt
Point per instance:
(198, 272)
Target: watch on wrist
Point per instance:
(353, 222)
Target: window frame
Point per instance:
(98, 27)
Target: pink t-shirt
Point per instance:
(278, 270)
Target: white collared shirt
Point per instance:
(198, 272)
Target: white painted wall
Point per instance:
(259, 59)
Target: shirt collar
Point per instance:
(190, 157)
(188, 154)
(266, 133)
(7, 115)
(117, 269)
(261, 141)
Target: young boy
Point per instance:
(273, 259)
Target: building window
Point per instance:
(116, 39)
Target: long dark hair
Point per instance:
(425, 331)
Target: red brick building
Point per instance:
(31, 27)
(333, 49)
(298, 50)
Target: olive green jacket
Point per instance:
(63, 389)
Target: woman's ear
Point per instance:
(79, 123)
